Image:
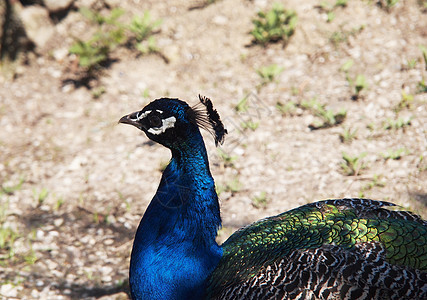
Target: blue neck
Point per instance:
(175, 249)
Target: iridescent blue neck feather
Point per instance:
(175, 249)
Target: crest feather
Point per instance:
(205, 116)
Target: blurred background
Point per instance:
(322, 99)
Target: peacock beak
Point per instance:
(131, 119)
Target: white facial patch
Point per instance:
(141, 116)
(166, 124)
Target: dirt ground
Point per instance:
(75, 183)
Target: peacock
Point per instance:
(331, 249)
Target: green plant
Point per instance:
(341, 3)
(352, 165)
(59, 203)
(400, 123)
(422, 86)
(328, 117)
(295, 91)
(142, 26)
(260, 201)
(338, 37)
(242, 105)
(347, 66)
(330, 16)
(278, 24)
(109, 34)
(99, 19)
(387, 4)
(98, 92)
(329, 8)
(41, 196)
(233, 186)
(96, 218)
(8, 235)
(375, 182)
(30, 257)
(360, 84)
(219, 188)
(423, 4)
(149, 46)
(392, 3)
(370, 126)
(9, 190)
(124, 200)
(422, 164)
(91, 53)
(325, 6)
(289, 108)
(146, 93)
(424, 52)
(394, 154)
(226, 158)
(268, 73)
(347, 135)
(250, 125)
(405, 102)
(342, 36)
(411, 63)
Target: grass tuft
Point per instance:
(328, 118)
(352, 165)
(277, 24)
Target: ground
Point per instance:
(75, 183)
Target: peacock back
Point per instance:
(332, 249)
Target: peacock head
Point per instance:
(172, 122)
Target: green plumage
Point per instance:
(345, 224)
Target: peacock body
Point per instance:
(332, 249)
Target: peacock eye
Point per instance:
(155, 120)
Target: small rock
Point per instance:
(118, 296)
(54, 233)
(112, 3)
(106, 270)
(39, 283)
(58, 222)
(77, 163)
(220, 20)
(67, 88)
(57, 5)
(39, 234)
(45, 207)
(37, 24)
(51, 264)
(85, 3)
(35, 294)
(108, 242)
(172, 52)
(60, 54)
(8, 290)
